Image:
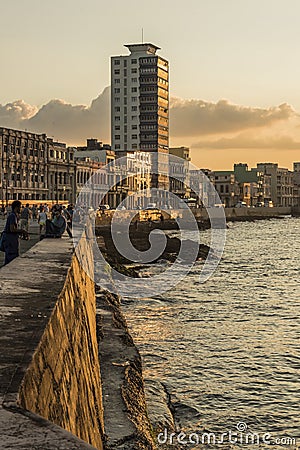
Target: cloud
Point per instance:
(197, 117)
(13, 114)
(68, 123)
(243, 141)
(73, 124)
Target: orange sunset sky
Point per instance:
(234, 72)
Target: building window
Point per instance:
(134, 108)
(133, 61)
(117, 108)
(134, 127)
(117, 90)
(133, 70)
(133, 99)
(117, 81)
(117, 136)
(117, 146)
(133, 117)
(134, 80)
(116, 62)
(117, 99)
(117, 118)
(134, 146)
(134, 89)
(134, 136)
(117, 127)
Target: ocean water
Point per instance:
(228, 350)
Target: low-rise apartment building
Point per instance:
(282, 184)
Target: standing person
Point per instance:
(34, 212)
(68, 218)
(25, 216)
(42, 219)
(12, 233)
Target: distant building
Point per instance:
(296, 181)
(227, 187)
(34, 167)
(140, 106)
(282, 184)
(61, 172)
(23, 168)
(296, 175)
(179, 171)
(133, 173)
(91, 182)
(92, 161)
(254, 184)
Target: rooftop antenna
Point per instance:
(142, 35)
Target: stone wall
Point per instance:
(201, 214)
(63, 383)
(49, 366)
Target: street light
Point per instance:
(8, 154)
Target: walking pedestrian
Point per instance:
(42, 219)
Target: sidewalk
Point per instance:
(24, 245)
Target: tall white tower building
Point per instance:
(140, 104)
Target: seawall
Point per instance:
(70, 374)
(201, 215)
(49, 366)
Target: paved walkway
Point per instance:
(34, 231)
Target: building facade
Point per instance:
(282, 183)
(24, 169)
(254, 185)
(34, 167)
(179, 171)
(61, 172)
(227, 187)
(140, 106)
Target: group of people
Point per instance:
(61, 220)
(52, 223)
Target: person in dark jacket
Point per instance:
(11, 233)
(56, 227)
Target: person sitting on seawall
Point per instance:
(56, 227)
(11, 233)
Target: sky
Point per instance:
(234, 72)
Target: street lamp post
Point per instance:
(6, 174)
(2, 177)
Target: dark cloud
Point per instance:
(197, 117)
(249, 142)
